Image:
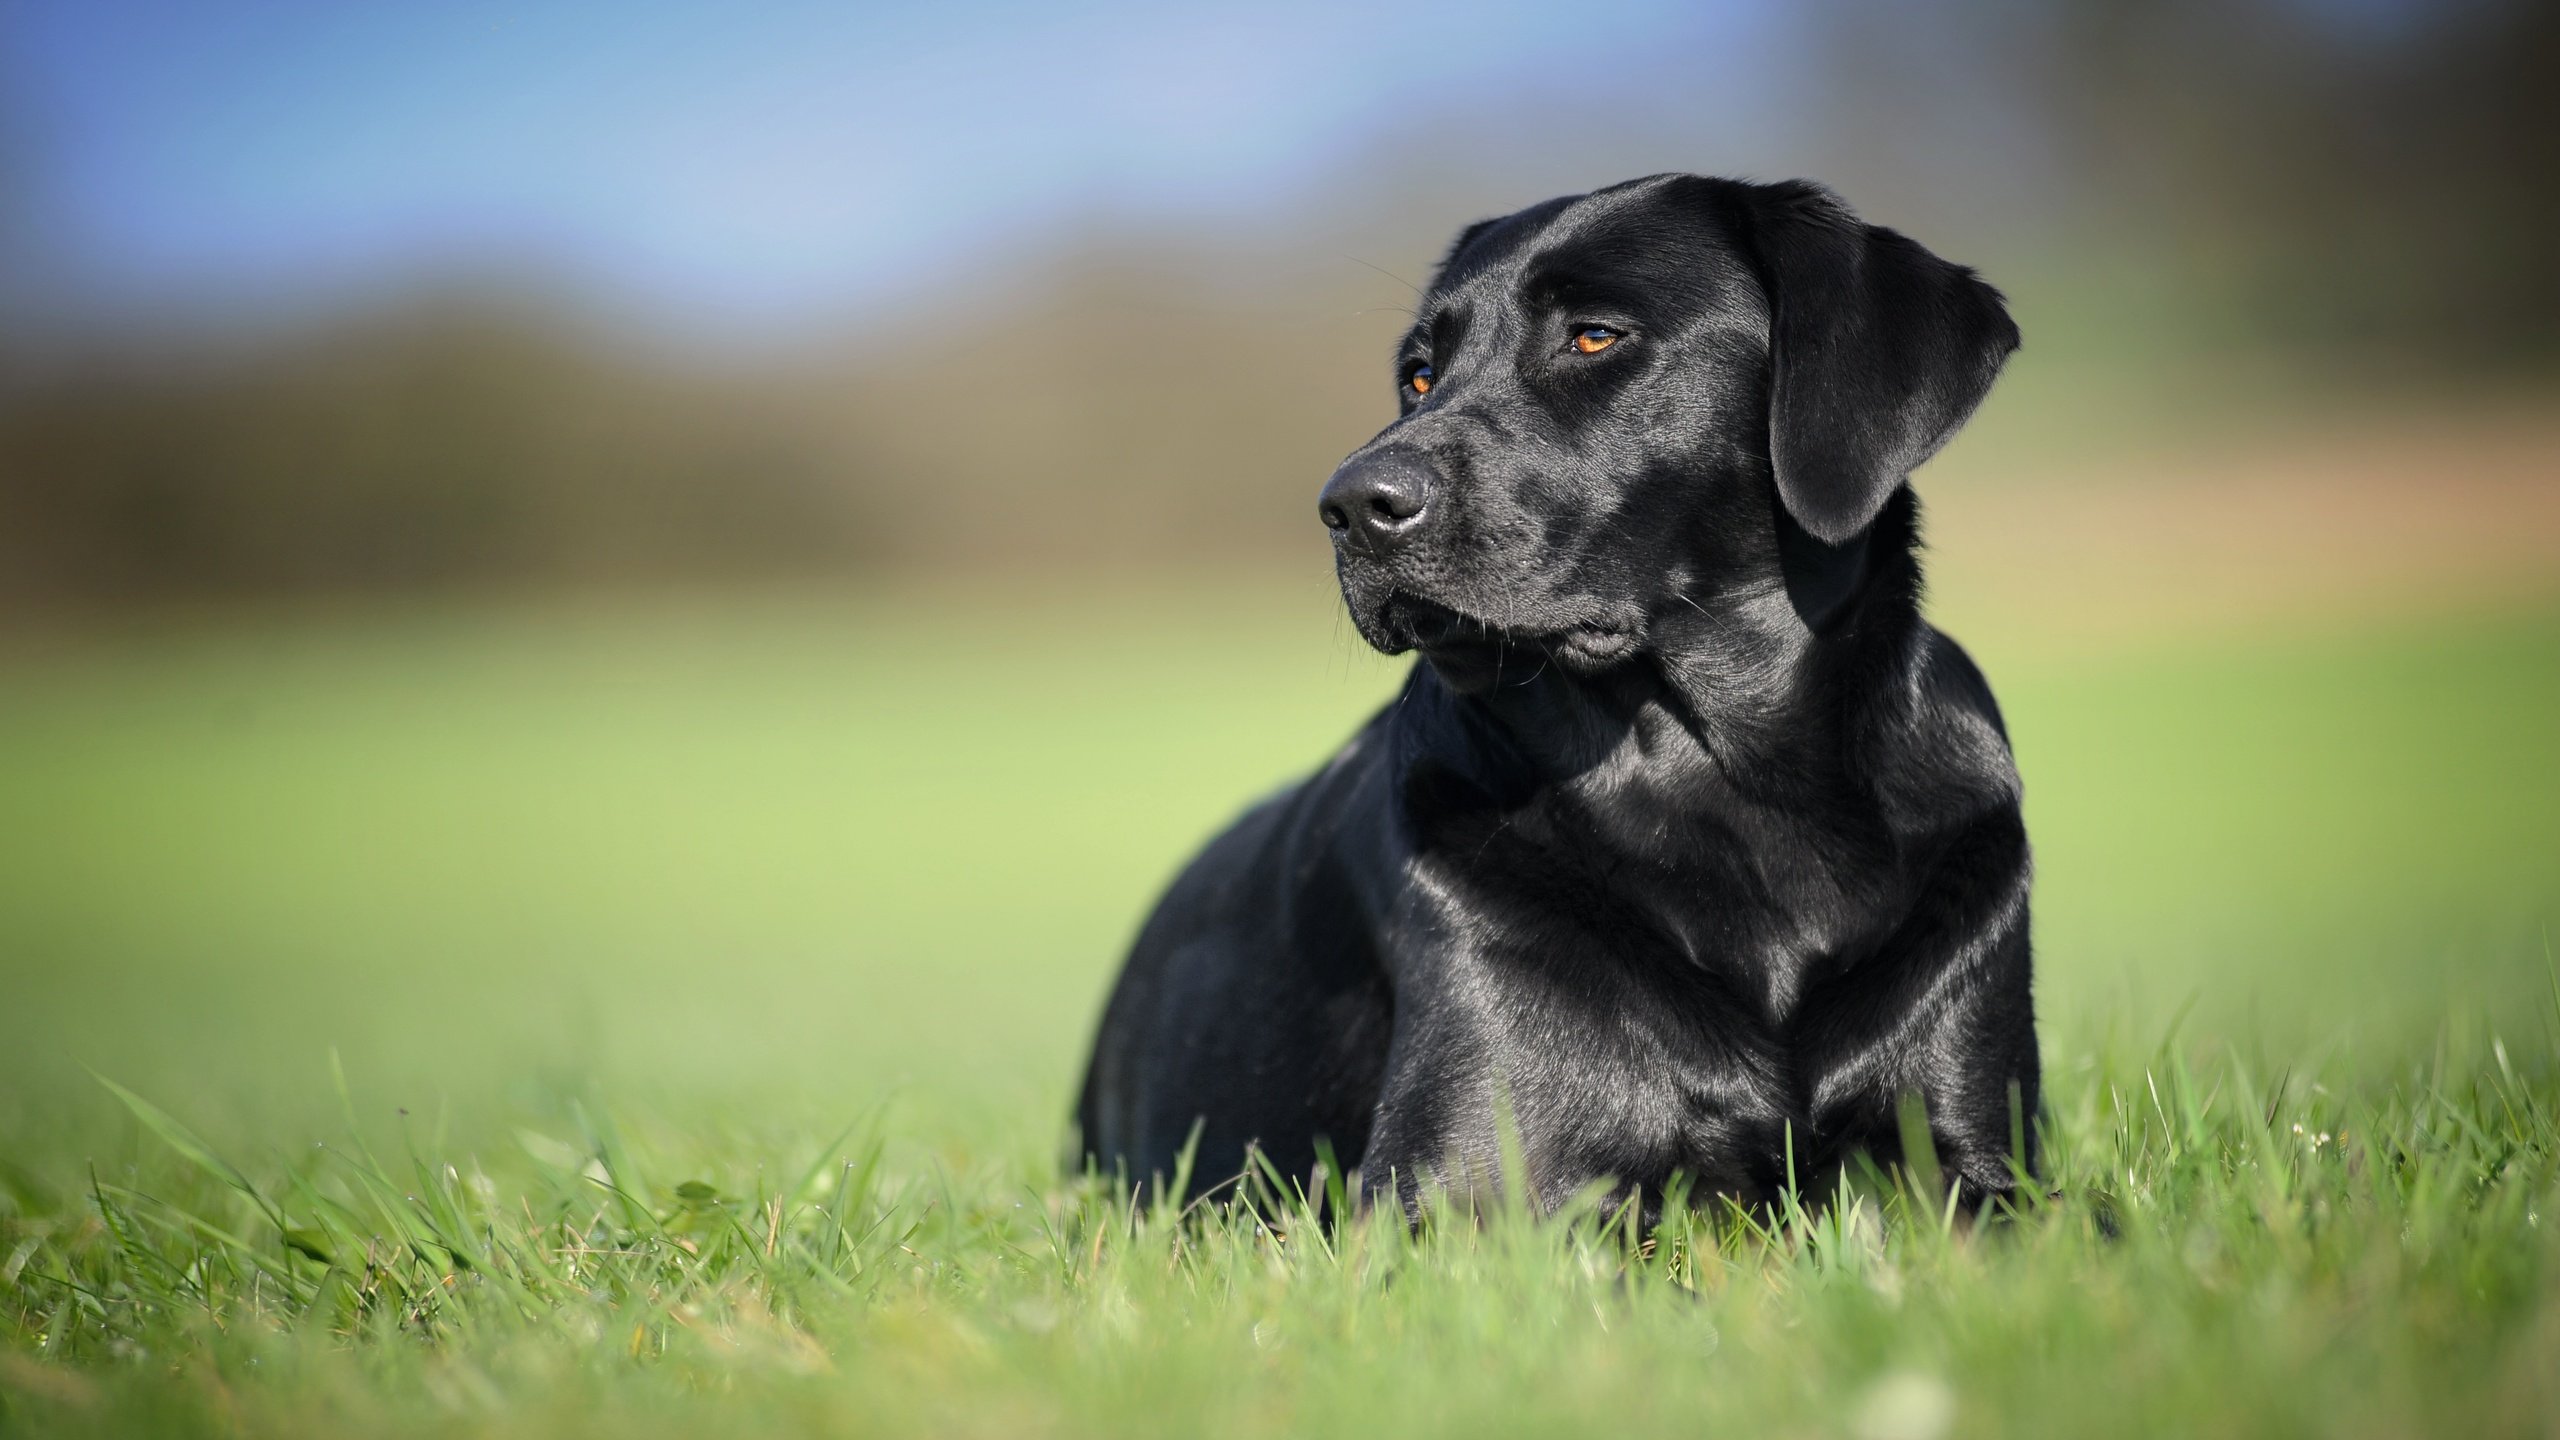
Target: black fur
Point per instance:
(1690, 843)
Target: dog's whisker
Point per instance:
(1383, 270)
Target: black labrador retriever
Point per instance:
(1690, 848)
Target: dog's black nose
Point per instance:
(1376, 500)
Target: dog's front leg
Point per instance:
(1943, 1013)
(1977, 1071)
(1435, 1135)
(1460, 1099)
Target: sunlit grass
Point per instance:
(2225, 1251)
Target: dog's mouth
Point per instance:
(1473, 653)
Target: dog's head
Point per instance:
(1595, 388)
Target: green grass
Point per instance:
(662, 1019)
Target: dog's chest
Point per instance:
(1719, 912)
(1645, 961)
(1641, 1095)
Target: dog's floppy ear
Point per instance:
(1878, 350)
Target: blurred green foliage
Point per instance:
(2205, 214)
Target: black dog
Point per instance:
(1692, 848)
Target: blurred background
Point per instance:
(733, 548)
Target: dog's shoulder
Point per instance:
(1952, 760)
(1950, 676)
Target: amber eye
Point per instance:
(1592, 339)
(1420, 380)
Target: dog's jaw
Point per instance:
(1474, 654)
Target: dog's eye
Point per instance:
(1592, 339)
(1419, 380)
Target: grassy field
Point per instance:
(662, 1018)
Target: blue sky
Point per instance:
(747, 165)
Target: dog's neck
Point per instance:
(1805, 651)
